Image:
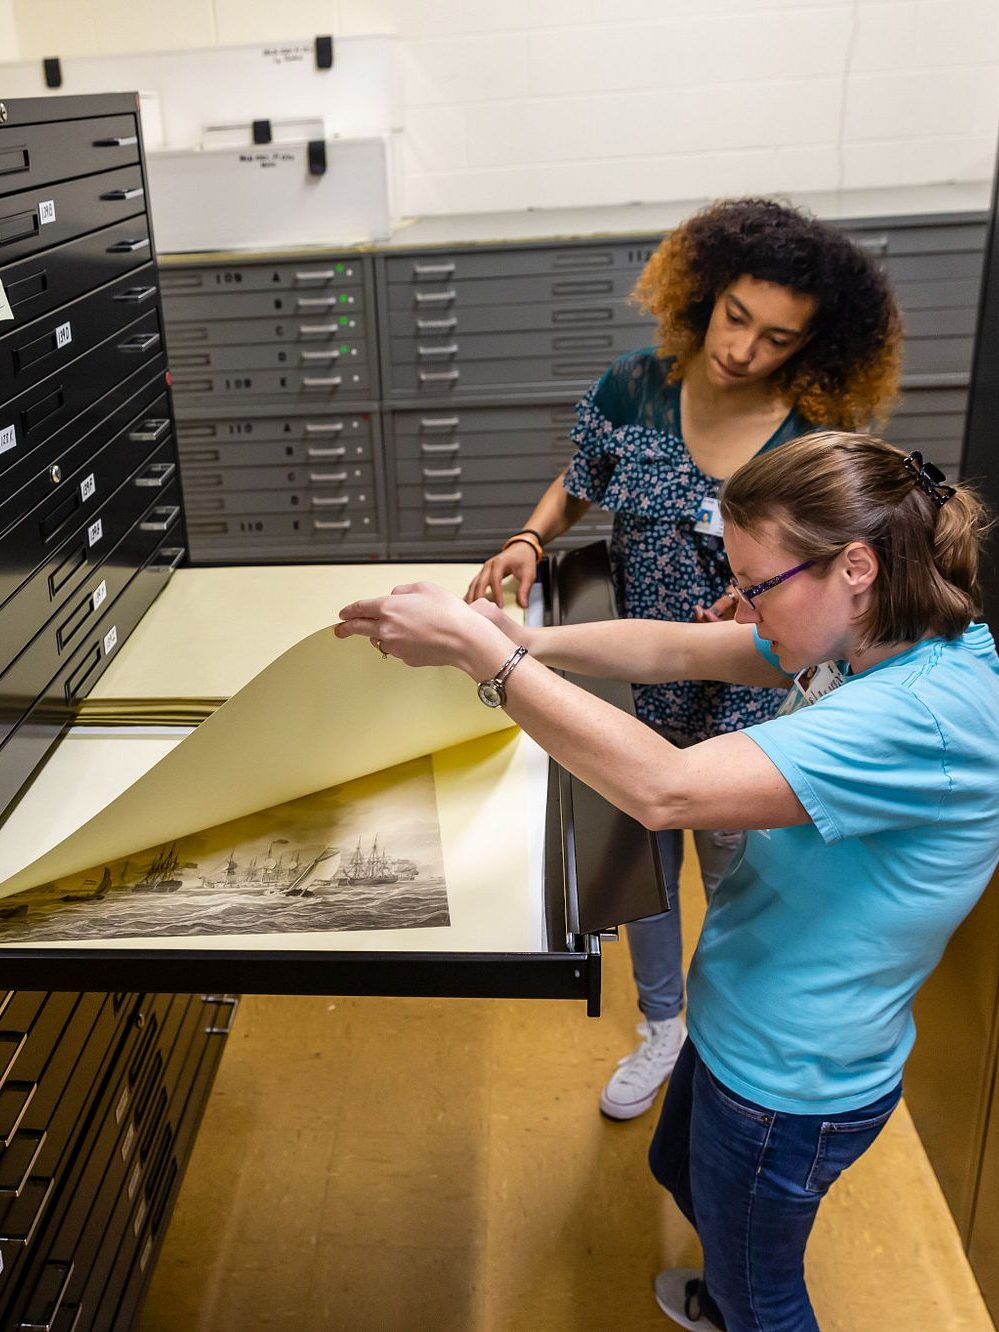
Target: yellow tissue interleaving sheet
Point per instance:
(324, 712)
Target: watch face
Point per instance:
(491, 694)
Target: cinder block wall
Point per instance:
(552, 103)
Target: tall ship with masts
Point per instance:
(369, 870)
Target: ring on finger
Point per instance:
(378, 644)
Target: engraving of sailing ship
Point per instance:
(272, 878)
(370, 870)
(161, 876)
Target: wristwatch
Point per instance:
(493, 692)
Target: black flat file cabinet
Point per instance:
(100, 1093)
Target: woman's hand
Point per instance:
(517, 633)
(423, 625)
(517, 561)
(722, 609)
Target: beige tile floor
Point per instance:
(387, 1165)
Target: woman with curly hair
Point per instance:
(770, 325)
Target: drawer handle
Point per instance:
(328, 478)
(441, 473)
(132, 192)
(169, 558)
(316, 330)
(437, 325)
(433, 270)
(157, 476)
(165, 515)
(427, 352)
(316, 302)
(45, 1319)
(230, 1001)
(438, 377)
(443, 522)
(452, 447)
(311, 381)
(45, 1186)
(332, 452)
(327, 354)
(38, 1137)
(430, 497)
(318, 525)
(319, 275)
(150, 430)
(872, 244)
(122, 141)
(135, 295)
(323, 427)
(330, 501)
(439, 422)
(129, 246)
(435, 297)
(140, 343)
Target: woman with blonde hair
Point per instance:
(871, 810)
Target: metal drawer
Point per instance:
(434, 300)
(206, 480)
(311, 502)
(497, 470)
(243, 332)
(36, 219)
(446, 377)
(323, 358)
(272, 454)
(430, 267)
(281, 536)
(35, 415)
(33, 155)
(192, 387)
(559, 316)
(49, 279)
(318, 304)
(323, 275)
(323, 436)
(43, 346)
(52, 711)
(432, 433)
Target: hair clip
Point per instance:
(928, 478)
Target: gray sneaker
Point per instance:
(636, 1082)
(678, 1295)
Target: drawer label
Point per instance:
(46, 211)
(8, 438)
(94, 532)
(5, 311)
(64, 334)
(88, 486)
(100, 594)
(110, 640)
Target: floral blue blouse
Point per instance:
(631, 459)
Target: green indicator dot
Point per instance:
(343, 298)
(339, 268)
(344, 320)
(345, 347)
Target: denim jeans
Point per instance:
(750, 1180)
(655, 942)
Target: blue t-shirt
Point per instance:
(815, 943)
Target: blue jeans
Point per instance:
(655, 942)
(750, 1180)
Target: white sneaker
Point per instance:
(677, 1292)
(633, 1088)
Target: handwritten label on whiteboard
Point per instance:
(88, 487)
(294, 54)
(46, 211)
(100, 594)
(8, 438)
(94, 532)
(64, 334)
(110, 640)
(5, 311)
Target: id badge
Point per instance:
(814, 682)
(709, 518)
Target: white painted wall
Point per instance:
(9, 48)
(551, 103)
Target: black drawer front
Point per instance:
(50, 279)
(36, 219)
(42, 725)
(27, 676)
(44, 346)
(80, 553)
(33, 155)
(35, 415)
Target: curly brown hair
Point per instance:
(847, 373)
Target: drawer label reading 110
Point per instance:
(8, 438)
(110, 640)
(46, 211)
(94, 532)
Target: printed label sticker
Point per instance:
(88, 486)
(8, 438)
(5, 311)
(64, 334)
(94, 532)
(46, 211)
(100, 594)
(110, 639)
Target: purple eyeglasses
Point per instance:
(748, 594)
